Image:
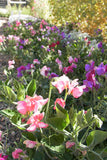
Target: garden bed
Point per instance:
(56, 94)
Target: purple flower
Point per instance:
(22, 41)
(101, 69)
(102, 50)
(28, 66)
(20, 69)
(100, 45)
(20, 47)
(52, 75)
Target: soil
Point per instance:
(10, 133)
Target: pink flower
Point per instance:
(45, 71)
(30, 144)
(69, 144)
(36, 61)
(78, 91)
(35, 121)
(35, 103)
(76, 60)
(70, 60)
(18, 23)
(31, 104)
(3, 157)
(0, 135)
(60, 101)
(10, 63)
(16, 153)
(59, 52)
(15, 28)
(59, 63)
(61, 83)
(22, 107)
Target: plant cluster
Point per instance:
(58, 90)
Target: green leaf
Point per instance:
(29, 135)
(95, 137)
(21, 94)
(61, 120)
(73, 117)
(17, 85)
(8, 112)
(9, 93)
(81, 121)
(16, 121)
(89, 115)
(55, 143)
(31, 88)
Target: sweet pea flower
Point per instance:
(70, 59)
(53, 75)
(36, 61)
(0, 135)
(69, 144)
(61, 83)
(31, 104)
(16, 153)
(3, 157)
(35, 121)
(101, 69)
(18, 23)
(59, 52)
(30, 144)
(100, 44)
(45, 71)
(59, 63)
(11, 64)
(60, 101)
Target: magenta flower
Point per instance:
(3, 157)
(16, 153)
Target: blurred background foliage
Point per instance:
(89, 14)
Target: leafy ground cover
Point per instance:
(56, 91)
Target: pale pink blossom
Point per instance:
(45, 71)
(69, 144)
(11, 64)
(60, 101)
(59, 63)
(16, 153)
(70, 59)
(30, 144)
(35, 121)
(36, 61)
(61, 83)
(0, 135)
(59, 52)
(15, 28)
(77, 91)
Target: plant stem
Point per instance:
(97, 155)
(49, 97)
